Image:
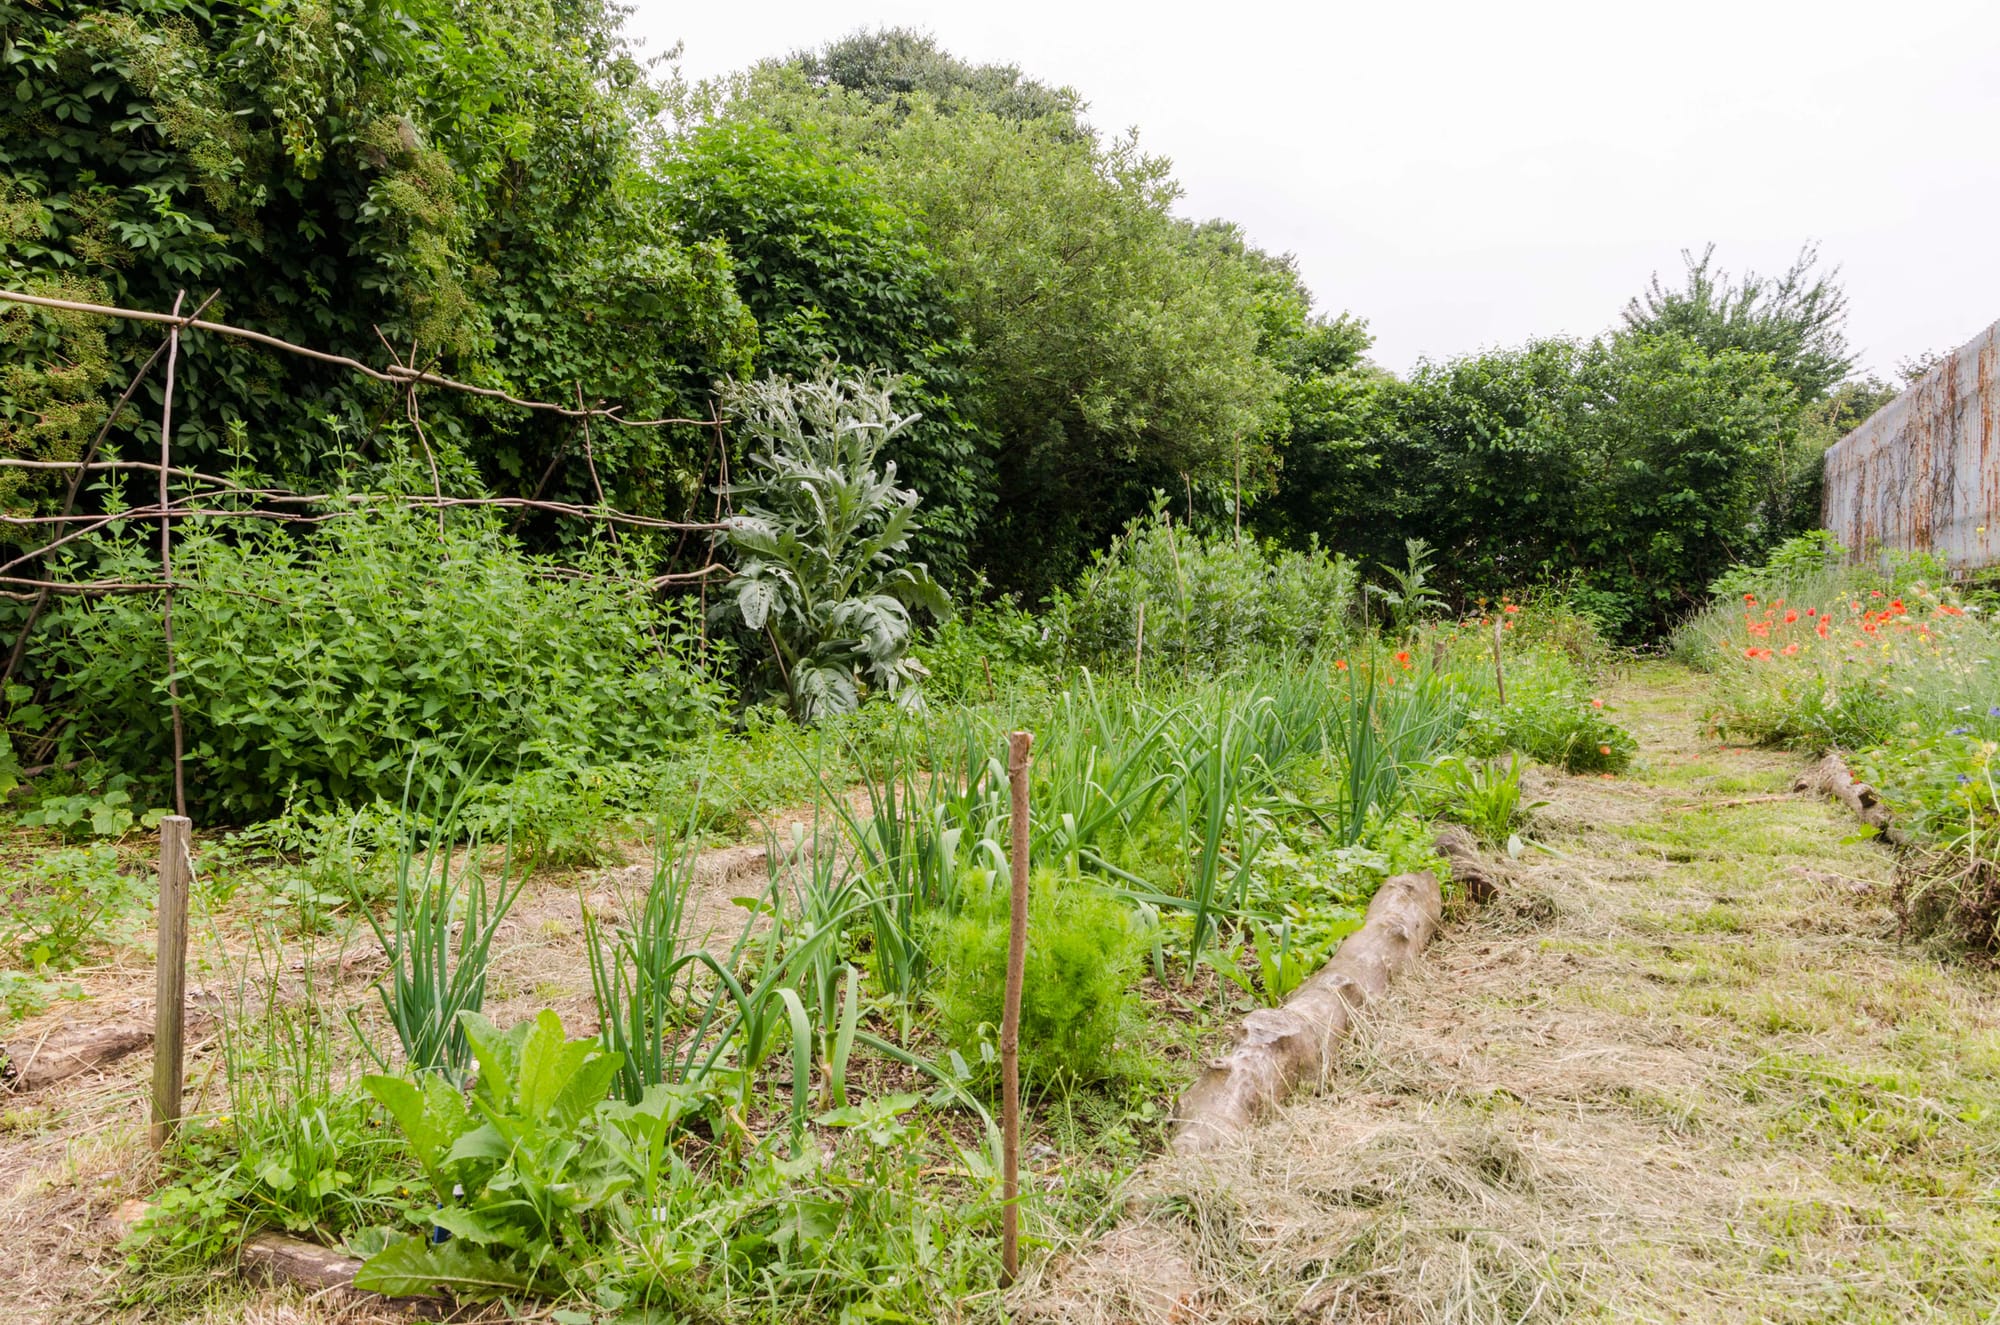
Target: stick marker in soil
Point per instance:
(1010, 1016)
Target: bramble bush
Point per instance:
(311, 668)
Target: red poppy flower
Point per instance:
(1340, 664)
(1403, 659)
(1790, 649)
(1604, 749)
(1790, 617)
(1512, 609)
(1750, 598)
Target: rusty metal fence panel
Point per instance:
(1923, 473)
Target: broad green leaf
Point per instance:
(411, 1268)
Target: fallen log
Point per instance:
(1830, 777)
(36, 1064)
(1279, 1049)
(274, 1259)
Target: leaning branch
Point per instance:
(395, 375)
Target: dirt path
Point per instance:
(1681, 1071)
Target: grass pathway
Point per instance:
(1683, 1070)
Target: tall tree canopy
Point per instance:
(1112, 346)
(457, 182)
(1797, 317)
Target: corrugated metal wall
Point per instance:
(1924, 472)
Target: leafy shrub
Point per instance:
(1205, 602)
(1083, 947)
(822, 544)
(1793, 564)
(985, 649)
(311, 667)
(63, 904)
(1556, 727)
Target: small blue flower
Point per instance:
(1961, 731)
(1993, 712)
(1963, 779)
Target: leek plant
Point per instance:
(1100, 765)
(1222, 775)
(440, 934)
(635, 973)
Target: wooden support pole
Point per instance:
(170, 970)
(1499, 677)
(1139, 645)
(1010, 1015)
(167, 563)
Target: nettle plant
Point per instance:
(821, 542)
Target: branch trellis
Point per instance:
(208, 496)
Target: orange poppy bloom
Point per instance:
(1403, 659)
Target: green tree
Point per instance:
(456, 182)
(834, 271)
(1682, 443)
(891, 65)
(1326, 448)
(1798, 317)
(1113, 346)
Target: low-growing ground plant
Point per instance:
(1484, 795)
(62, 904)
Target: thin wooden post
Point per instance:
(1139, 644)
(1499, 675)
(170, 971)
(1010, 1015)
(167, 575)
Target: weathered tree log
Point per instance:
(1279, 1049)
(274, 1259)
(32, 1065)
(1469, 869)
(1830, 777)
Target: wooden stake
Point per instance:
(167, 578)
(1010, 1015)
(1139, 646)
(170, 971)
(1499, 677)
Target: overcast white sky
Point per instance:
(1471, 174)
